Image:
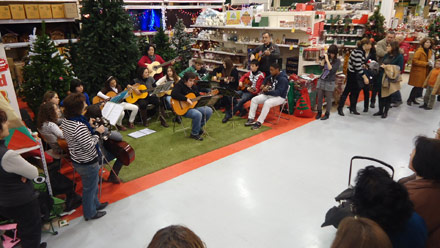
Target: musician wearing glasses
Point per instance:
(267, 54)
(111, 87)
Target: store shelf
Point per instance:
(219, 52)
(243, 70)
(343, 24)
(242, 27)
(26, 21)
(215, 61)
(307, 63)
(39, 1)
(344, 35)
(26, 44)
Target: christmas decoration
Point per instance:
(375, 26)
(163, 46)
(303, 108)
(182, 43)
(45, 70)
(434, 30)
(107, 45)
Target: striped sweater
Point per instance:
(357, 59)
(81, 143)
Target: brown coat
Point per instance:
(425, 195)
(391, 80)
(436, 89)
(419, 67)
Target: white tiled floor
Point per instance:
(274, 194)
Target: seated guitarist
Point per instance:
(274, 91)
(111, 85)
(151, 57)
(199, 115)
(145, 79)
(255, 79)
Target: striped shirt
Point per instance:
(80, 141)
(357, 59)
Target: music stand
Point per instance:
(227, 92)
(162, 88)
(206, 101)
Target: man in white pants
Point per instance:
(273, 94)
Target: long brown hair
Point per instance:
(46, 112)
(361, 233)
(424, 40)
(229, 66)
(49, 95)
(3, 119)
(176, 236)
(363, 42)
(175, 76)
(395, 50)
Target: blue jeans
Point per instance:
(246, 96)
(167, 102)
(89, 177)
(198, 116)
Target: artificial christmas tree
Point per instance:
(107, 45)
(163, 45)
(182, 43)
(46, 70)
(375, 27)
(434, 30)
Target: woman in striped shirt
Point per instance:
(84, 152)
(356, 79)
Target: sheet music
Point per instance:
(112, 112)
(141, 133)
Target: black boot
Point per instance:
(318, 115)
(326, 116)
(144, 117)
(162, 119)
(340, 112)
(353, 111)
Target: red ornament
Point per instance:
(61, 78)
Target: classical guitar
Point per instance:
(261, 54)
(98, 99)
(181, 107)
(246, 83)
(121, 149)
(156, 67)
(133, 97)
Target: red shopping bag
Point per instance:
(303, 108)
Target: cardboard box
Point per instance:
(70, 10)
(57, 10)
(5, 13)
(45, 11)
(17, 11)
(32, 11)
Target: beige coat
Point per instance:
(436, 89)
(391, 80)
(419, 67)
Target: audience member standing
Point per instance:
(419, 69)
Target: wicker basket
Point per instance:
(57, 35)
(10, 38)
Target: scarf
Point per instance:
(83, 119)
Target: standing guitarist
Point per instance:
(151, 57)
(267, 54)
(198, 115)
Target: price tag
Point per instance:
(291, 47)
(293, 30)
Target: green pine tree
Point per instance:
(46, 70)
(182, 43)
(163, 46)
(434, 30)
(375, 27)
(107, 44)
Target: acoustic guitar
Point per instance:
(98, 99)
(246, 83)
(121, 150)
(260, 55)
(181, 107)
(156, 67)
(133, 97)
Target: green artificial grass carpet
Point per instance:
(164, 148)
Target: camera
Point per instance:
(321, 57)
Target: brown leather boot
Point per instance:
(163, 122)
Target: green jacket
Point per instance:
(204, 75)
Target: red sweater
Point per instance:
(146, 60)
